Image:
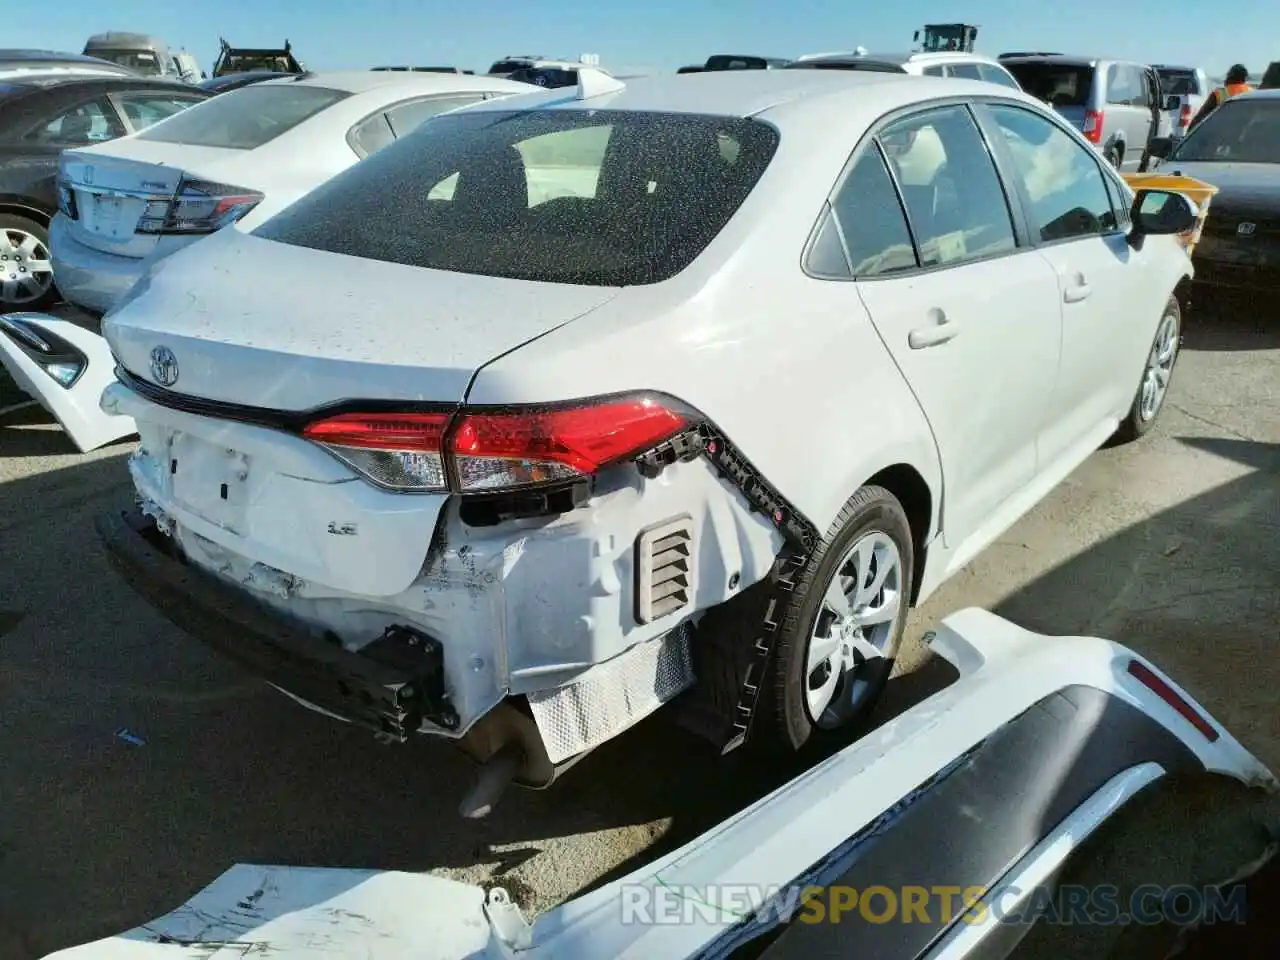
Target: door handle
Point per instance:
(1078, 290)
(931, 336)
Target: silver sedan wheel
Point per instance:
(856, 625)
(25, 271)
(1155, 379)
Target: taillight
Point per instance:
(400, 451)
(1184, 117)
(495, 451)
(66, 199)
(198, 206)
(1148, 678)
(1092, 128)
(484, 451)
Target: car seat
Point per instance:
(493, 193)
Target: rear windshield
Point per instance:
(603, 198)
(1178, 83)
(1057, 84)
(246, 118)
(727, 62)
(1240, 131)
(141, 61)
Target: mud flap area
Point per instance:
(65, 368)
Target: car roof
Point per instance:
(1069, 60)
(363, 81)
(742, 93)
(57, 81)
(49, 56)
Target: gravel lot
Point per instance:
(1171, 545)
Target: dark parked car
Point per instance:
(234, 81)
(1237, 149)
(39, 116)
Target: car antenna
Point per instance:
(596, 83)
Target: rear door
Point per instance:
(972, 318)
(36, 149)
(1081, 236)
(1127, 118)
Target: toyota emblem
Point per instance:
(1246, 229)
(164, 366)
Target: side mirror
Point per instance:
(1172, 102)
(1161, 213)
(1160, 147)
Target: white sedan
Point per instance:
(244, 157)
(512, 431)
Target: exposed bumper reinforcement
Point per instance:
(389, 687)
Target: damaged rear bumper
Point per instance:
(390, 686)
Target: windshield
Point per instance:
(140, 61)
(246, 118)
(1057, 84)
(250, 63)
(1180, 83)
(596, 197)
(1239, 131)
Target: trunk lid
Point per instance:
(114, 182)
(258, 323)
(244, 321)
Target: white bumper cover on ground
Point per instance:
(339, 914)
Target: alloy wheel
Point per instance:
(26, 273)
(856, 626)
(1155, 379)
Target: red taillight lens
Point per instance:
(401, 451)
(494, 451)
(1184, 117)
(1092, 128)
(197, 207)
(1148, 678)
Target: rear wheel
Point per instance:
(1114, 156)
(26, 274)
(1156, 374)
(843, 624)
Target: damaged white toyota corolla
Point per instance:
(512, 431)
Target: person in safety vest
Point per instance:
(1237, 82)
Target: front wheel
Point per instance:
(843, 624)
(1156, 374)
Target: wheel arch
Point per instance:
(17, 206)
(911, 489)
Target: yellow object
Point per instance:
(1197, 191)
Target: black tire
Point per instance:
(1114, 156)
(1139, 421)
(14, 225)
(870, 510)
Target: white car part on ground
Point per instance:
(65, 368)
(1005, 671)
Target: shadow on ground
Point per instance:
(102, 831)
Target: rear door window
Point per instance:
(604, 198)
(142, 110)
(1125, 86)
(935, 71)
(405, 117)
(870, 219)
(993, 74)
(371, 135)
(964, 71)
(93, 121)
(246, 118)
(955, 202)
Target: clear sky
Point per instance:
(659, 34)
